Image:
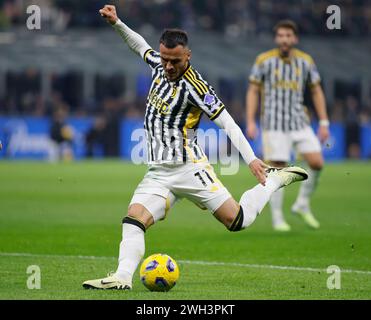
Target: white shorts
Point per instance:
(277, 145)
(164, 184)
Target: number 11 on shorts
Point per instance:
(200, 176)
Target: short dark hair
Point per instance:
(171, 38)
(287, 24)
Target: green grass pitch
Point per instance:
(66, 219)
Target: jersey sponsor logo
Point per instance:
(283, 84)
(158, 103)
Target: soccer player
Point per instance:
(178, 167)
(279, 77)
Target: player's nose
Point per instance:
(169, 66)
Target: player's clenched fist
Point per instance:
(109, 13)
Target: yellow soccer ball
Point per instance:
(159, 272)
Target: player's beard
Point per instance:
(171, 76)
(285, 50)
(176, 74)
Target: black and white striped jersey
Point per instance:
(282, 82)
(173, 113)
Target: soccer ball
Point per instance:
(159, 272)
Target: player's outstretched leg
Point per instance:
(276, 206)
(301, 207)
(132, 249)
(253, 201)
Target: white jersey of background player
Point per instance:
(178, 167)
(280, 76)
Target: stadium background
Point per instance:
(65, 217)
(78, 64)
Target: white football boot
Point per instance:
(110, 282)
(306, 214)
(287, 175)
(282, 227)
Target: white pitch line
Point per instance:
(268, 266)
(206, 263)
(22, 254)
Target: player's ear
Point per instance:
(189, 54)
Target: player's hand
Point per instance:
(252, 130)
(109, 13)
(323, 133)
(257, 168)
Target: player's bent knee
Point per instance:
(315, 161)
(230, 214)
(228, 220)
(135, 222)
(317, 165)
(237, 223)
(139, 213)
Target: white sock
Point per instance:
(254, 200)
(132, 249)
(307, 188)
(276, 202)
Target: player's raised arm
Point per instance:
(134, 40)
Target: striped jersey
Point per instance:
(173, 113)
(282, 82)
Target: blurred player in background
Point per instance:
(178, 167)
(96, 136)
(62, 136)
(279, 78)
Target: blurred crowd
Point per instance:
(237, 17)
(110, 102)
(23, 94)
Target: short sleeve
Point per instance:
(152, 58)
(256, 74)
(203, 95)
